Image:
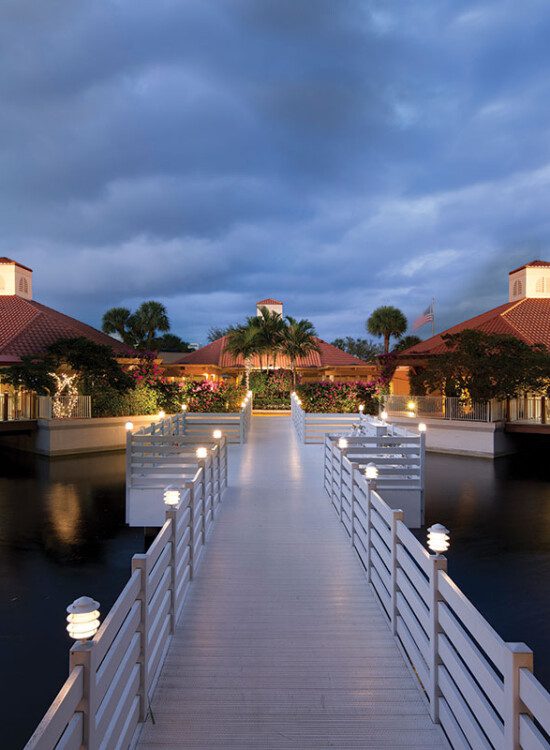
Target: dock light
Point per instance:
(171, 496)
(411, 414)
(249, 394)
(422, 427)
(361, 408)
(217, 434)
(184, 407)
(438, 538)
(129, 426)
(202, 452)
(161, 414)
(342, 443)
(371, 472)
(384, 415)
(243, 404)
(83, 618)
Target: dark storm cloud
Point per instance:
(338, 155)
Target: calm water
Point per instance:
(62, 535)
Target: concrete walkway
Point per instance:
(281, 643)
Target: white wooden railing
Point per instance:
(81, 409)
(480, 688)
(106, 696)
(312, 427)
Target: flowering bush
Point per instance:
(208, 396)
(147, 371)
(344, 398)
(271, 389)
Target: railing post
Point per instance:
(140, 562)
(371, 487)
(396, 515)
(241, 428)
(437, 563)
(543, 409)
(340, 483)
(82, 654)
(191, 487)
(172, 515)
(517, 656)
(202, 467)
(353, 469)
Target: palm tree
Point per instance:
(243, 341)
(406, 342)
(149, 318)
(270, 328)
(387, 321)
(298, 341)
(116, 321)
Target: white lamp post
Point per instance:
(184, 408)
(171, 496)
(217, 434)
(83, 618)
(202, 453)
(371, 472)
(342, 443)
(361, 409)
(161, 414)
(422, 427)
(129, 426)
(384, 415)
(438, 538)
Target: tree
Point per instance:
(364, 349)
(482, 366)
(270, 328)
(169, 342)
(299, 339)
(242, 341)
(138, 329)
(218, 333)
(387, 321)
(406, 342)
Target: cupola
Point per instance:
(530, 281)
(15, 279)
(273, 305)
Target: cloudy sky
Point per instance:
(335, 154)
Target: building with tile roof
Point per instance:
(28, 327)
(526, 315)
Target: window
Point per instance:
(23, 285)
(539, 286)
(517, 289)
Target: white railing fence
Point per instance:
(480, 688)
(523, 408)
(312, 427)
(106, 696)
(80, 409)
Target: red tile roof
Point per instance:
(527, 319)
(27, 327)
(215, 354)
(269, 301)
(535, 263)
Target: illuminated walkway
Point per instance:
(281, 644)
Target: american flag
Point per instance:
(426, 317)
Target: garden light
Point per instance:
(411, 414)
(361, 408)
(342, 443)
(83, 618)
(202, 452)
(371, 472)
(384, 415)
(129, 426)
(411, 406)
(184, 407)
(422, 427)
(438, 538)
(161, 414)
(217, 434)
(171, 496)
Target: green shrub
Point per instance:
(111, 403)
(271, 389)
(208, 396)
(344, 398)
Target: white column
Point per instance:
(517, 656)
(437, 563)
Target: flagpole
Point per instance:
(433, 316)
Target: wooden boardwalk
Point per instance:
(281, 643)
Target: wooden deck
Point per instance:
(281, 643)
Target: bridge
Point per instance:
(260, 617)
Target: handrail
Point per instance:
(106, 696)
(478, 687)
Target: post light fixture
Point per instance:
(361, 408)
(243, 404)
(217, 434)
(129, 426)
(422, 427)
(342, 443)
(249, 394)
(411, 406)
(184, 407)
(83, 618)
(202, 452)
(161, 414)
(171, 496)
(411, 414)
(371, 472)
(438, 538)
(384, 415)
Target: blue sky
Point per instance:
(335, 154)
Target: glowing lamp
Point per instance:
(371, 471)
(411, 414)
(184, 407)
(361, 408)
(384, 415)
(202, 452)
(438, 538)
(243, 404)
(217, 434)
(422, 427)
(171, 496)
(161, 414)
(129, 426)
(342, 443)
(83, 618)
(249, 394)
